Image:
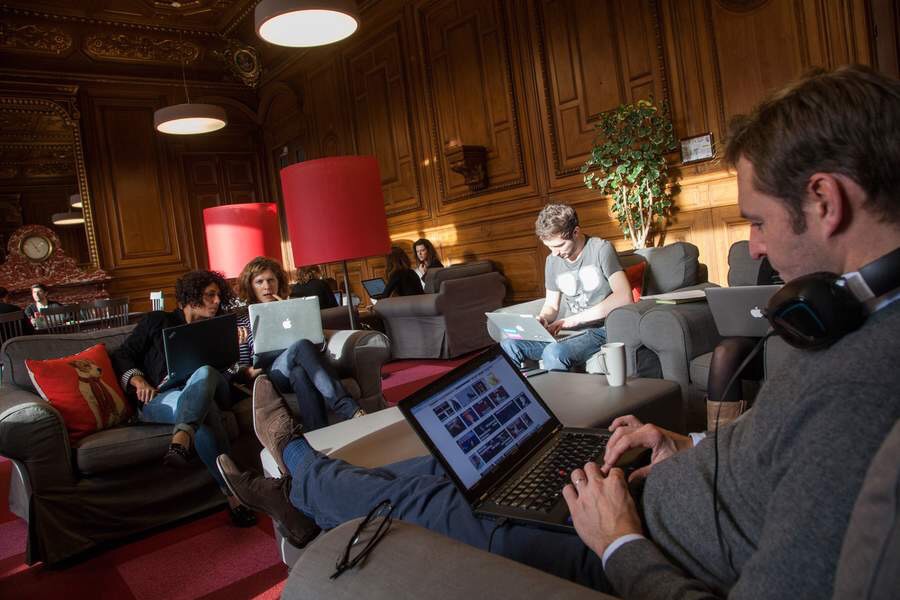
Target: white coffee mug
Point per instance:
(613, 356)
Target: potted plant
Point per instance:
(628, 163)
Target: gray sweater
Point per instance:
(789, 473)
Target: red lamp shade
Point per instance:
(335, 209)
(238, 233)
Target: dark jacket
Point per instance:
(406, 283)
(32, 308)
(143, 349)
(315, 287)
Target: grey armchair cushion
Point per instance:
(434, 277)
(670, 267)
(413, 562)
(123, 446)
(867, 567)
(742, 268)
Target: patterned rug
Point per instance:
(206, 558)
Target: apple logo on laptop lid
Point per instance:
(286, 323)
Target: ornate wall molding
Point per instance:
(22, 12)
(140, 48)
(242, 61)
(39, 39)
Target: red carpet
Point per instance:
(206, 558)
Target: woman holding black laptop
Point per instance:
(300, 369)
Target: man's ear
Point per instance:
(826, 202)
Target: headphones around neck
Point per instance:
(816, 310)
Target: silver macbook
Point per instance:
(740, 311)
(277, 325)
(525, 327)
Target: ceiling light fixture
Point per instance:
(305, 23)
(187, 118)
(68, 218)
(75, 201)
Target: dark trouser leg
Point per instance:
(727, 357)
(332, 492)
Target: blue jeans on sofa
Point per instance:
(558, 356)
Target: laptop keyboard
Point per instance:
(541, 488)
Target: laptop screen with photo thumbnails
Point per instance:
(480, 419)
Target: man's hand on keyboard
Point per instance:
(629, 432)
(601, 507)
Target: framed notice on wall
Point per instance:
(697, 148)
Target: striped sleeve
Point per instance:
(246, 350)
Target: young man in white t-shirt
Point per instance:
(584, 272)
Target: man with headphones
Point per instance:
(758, 510)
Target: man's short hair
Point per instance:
(843, 121)
(189, 288)
(39, 286)
(556, 220)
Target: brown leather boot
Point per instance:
(271, 496)
(726, 412)
(273, 421)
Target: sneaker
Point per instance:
(272, 420)
(271, 496)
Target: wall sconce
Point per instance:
(470, 162)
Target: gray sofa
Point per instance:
(412, 562)
(669, 268)
(448, 319)
(112, 483)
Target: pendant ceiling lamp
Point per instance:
(72, 217)
(75, 201)
(187, 118)
(305, 23)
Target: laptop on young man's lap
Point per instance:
(527, 327)
(277, 325)
(499, 443)
(212, 342)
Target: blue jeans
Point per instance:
(195, 409)
(301, 370)
(332, 492)
(559, 356)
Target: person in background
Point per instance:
(400, 276)
(426, 258)
(582, 271)
(727, 356)
(310, 283)
(41, 301)
(300, 369)
(140, 363)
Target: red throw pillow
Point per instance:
(83, 388)
(635, 275)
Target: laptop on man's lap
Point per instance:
(212, 342)
(499, 443)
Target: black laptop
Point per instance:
(374, 287)
(212, 342)
(500, 443)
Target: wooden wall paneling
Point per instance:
(884, 25)
(383, 118)
(469, 82)
(331, 135)
(728, 227)
(593, 56)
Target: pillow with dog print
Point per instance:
(83, 388)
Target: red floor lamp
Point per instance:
(238, 233)
(335, 212)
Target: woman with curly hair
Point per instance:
(194, 407)
(299, 369)
(426, 257)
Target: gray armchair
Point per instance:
(448, 319)
(412, 562)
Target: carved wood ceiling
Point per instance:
(198, 16)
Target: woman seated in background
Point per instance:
(310, 283)
(400, 276)
(300, 369)
(426, 258)
(193, 408)
(726, 405)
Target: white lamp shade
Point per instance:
(305, 23)
(68, 218)
(75, 201)
(189, 119)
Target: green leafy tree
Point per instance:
(628, 163)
